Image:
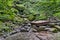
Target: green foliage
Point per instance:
(31, 17)
(6, 12)
(18, 20)
(33, 7)
(12, 10)
(57, 15)
(41, 17)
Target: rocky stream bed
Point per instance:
(32, 36)
(34, 32)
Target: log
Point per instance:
(40, 23)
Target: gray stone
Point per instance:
(23, 36)
(34, 30)
(45, 36)
(57, 36)
(31, 36)
(50, 29)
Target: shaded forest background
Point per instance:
(13, 13)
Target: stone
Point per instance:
(12, 33)
(42, 27)
(56, 26)
(57, 36)
(23, 29)
(34, 30)
(23, 36)
(2, 39)
(51, 29)
(43, 35)
(29, 24)
(51, 24)
(26, 27)
(31, 36)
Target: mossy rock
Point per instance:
(54, 30)
(57, 27)
(51, 24)
(40, 29)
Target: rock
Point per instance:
(51, 29)
(58, 27)
(4, 36)
(45, 36)
(26, 27)
(2, 39)
(41, 28)
(27, 30)
(34, 30)
(57, 36)
(23, 30)
(12, 33)
(23, 36)
(18, 30)
(51, 24)
(29, 25)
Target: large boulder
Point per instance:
(31, 36)
(23, 36)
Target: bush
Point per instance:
(57, 15)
